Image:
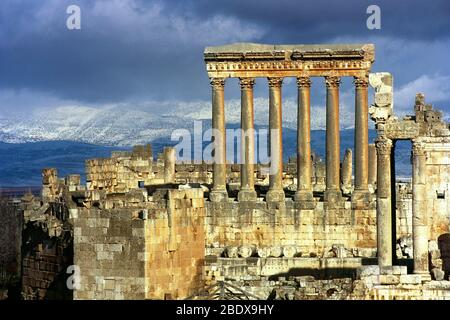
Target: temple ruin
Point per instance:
(145, 227)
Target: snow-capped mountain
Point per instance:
(126, 125)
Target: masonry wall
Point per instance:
(11, 219)
(312, 232)
(153, 250)
(438, 186)
(107, 249)
(175, 246)
(122, 172)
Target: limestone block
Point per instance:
(246, 251)
(289, 251)
(365, 271)
(393, 270)
(438, 274)
(410, 279)
(263, 252)
(276, 251)
(389, 279)
(232, 252)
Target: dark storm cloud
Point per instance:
(134, 50)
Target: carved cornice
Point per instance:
(304, 82)
(217, 83)
(287, 68)
(361, 82)
(332, 81)
(383, 145)
(246, 83)
(275, 82)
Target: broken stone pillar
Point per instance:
(219, 190)
(361, 192)
(332, 193)
(169, 165)
(384, 215)
(49, 184)
(372, 167)
(304, 194)
(419, 211)
(247, 191)
(346, 172)
(275, 192)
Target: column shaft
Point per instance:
(361, 134)
(247, 192)
(304, 163)
(332, 192)
(420, 228)
(384, 214)
(276, 192)
(219, 191)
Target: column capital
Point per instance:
(332, 81)
(275, 82)
(418, 148)
(303, 82)
(217, 83)
(246, 83)
(361, 81)
(383, 145)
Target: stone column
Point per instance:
(361, 192)
(384, 214)
(304, 193)
(346, 172)
(419, 211)
(275, 192)
(247, 191)
(332, 193)
(169, 165)
(219, 190)
(372, 167)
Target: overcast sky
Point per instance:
(131, 52)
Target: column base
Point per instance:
(275, 195)
(333, 199)
(361, 199)
(218, 195)
(246, 195)
(304, 199)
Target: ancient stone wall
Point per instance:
(175, 246)
(107, 248)
(302, 232)
(122, 172)
(11, 219)
(44, 270)
(437, 173)
(148, 250)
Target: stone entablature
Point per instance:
(256, 60)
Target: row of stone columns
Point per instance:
(419, 207)
(304, 192)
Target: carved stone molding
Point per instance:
(275, 82)
(383, 145)
(247, 83)
(217, 83)
(332, 81)
(304, 82)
